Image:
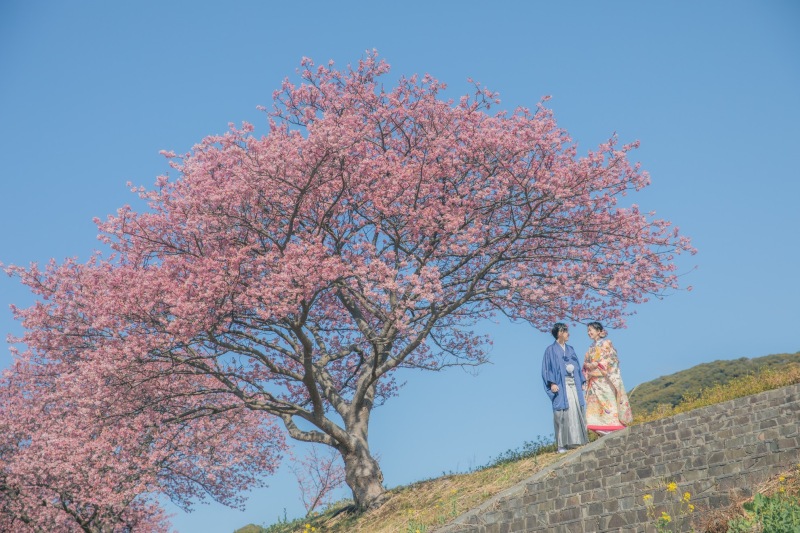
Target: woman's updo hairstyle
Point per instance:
(597, 326)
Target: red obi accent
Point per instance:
(605, 428)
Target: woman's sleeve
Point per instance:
(591, 367)
(615, 378)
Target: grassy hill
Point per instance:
(423, 506)
(670, 390)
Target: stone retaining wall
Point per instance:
(717, 453)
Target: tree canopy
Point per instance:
(288, 277)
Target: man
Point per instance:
(563, 383)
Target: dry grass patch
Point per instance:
(425, 505)
(429, 504)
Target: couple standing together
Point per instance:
(585, 397)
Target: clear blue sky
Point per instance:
(91, 91)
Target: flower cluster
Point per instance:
(677, 508)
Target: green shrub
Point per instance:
(777, 513)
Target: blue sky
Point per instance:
(91, 91)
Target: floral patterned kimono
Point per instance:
(607, 407)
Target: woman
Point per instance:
(607, 407)
(563, 384)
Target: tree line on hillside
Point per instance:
(670, 390)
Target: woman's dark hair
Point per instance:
(558, 328)
(597, 326)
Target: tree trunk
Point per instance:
(364, 477)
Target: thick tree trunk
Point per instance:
(364, 477)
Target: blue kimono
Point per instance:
(554, 370)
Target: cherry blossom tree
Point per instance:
(367, 231)
(76, 455)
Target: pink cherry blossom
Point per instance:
(287, 277)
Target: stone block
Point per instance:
(768, 423)
(558, 516)
(495, 528)
(717, 470)
(628, 476)
(574, 527)
(764, 415)
(517, 526)
(627, 503)
(594, 483)
(596, 509)
(617, 521)
(718, 500)
(660, 470)
(724, 433)
(732, 483)
(715, 458)
(735, 454)
(674, 467)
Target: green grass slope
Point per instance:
(670, 390)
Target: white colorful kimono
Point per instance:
(607, 407)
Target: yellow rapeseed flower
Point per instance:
(672, 487)
(665, 517)
(691, 508)
(687, 496)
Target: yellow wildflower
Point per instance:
(672, 487)
(687, 496)
(782, 479)
(691, 508)
(648, 498)
(665, 517)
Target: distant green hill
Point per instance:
(671, 389)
